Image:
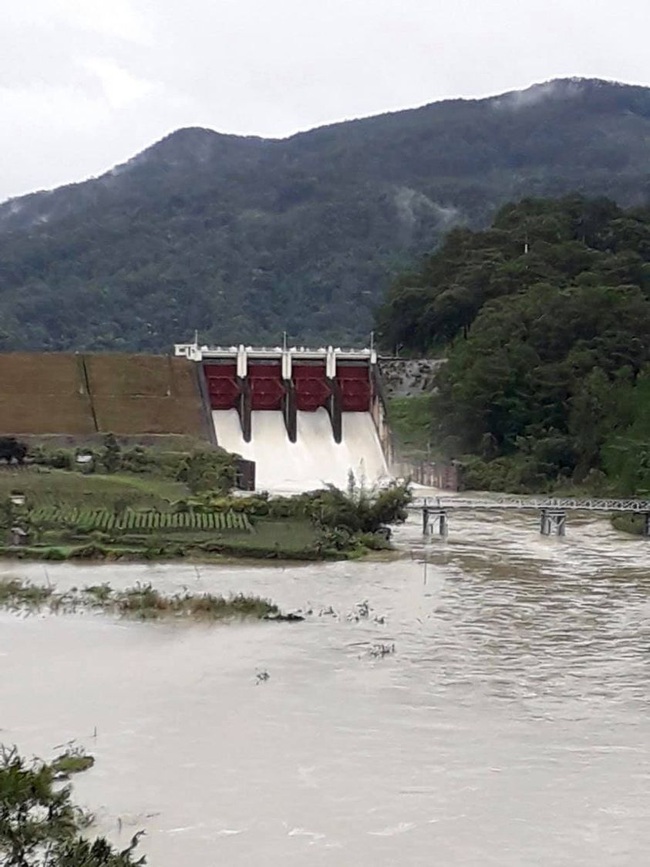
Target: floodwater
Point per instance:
(510, 727)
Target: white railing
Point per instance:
(519, 503)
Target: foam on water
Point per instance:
(314, 459)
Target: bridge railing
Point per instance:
(532, 503)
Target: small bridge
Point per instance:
(553, 510)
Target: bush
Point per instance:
(208, 471)
(39, 824)
(58, 459)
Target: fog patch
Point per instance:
(539, 93)
(414, 207)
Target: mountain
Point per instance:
(243, 238)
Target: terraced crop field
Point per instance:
(151, 521)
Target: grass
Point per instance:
(72, 761)
(629, 523)
(145, 394)
(142, 602)
(145, 603)
(410, 419)
(46, 393)
(18, 594)
(42, 392)
(43, 485)
(70, 515)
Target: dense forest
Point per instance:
(243, 238)
(545, 320)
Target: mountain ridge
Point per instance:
(243, 237)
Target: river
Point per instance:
(510, 727)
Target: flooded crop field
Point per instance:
(510, 724)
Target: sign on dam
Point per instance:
(306, 417)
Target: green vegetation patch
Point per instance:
(151, 520)
(411, 422)
(46, 486)
(629, 523)
(74, 760)
(141, 602)
(40, 826)
(15, 593)
(544, 319)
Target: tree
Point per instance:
(111, 456)
(548, 366)
(12, 450)
(208, 471)
(39, 824)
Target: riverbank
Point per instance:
(54, 514)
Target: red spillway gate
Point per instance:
(266, 387)
(223, 387)
(311, 387)
(354, 386)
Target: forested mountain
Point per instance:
(243, 238)
(545, 318)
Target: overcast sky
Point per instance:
(86, 84)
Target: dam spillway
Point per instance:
(314, 459)
(305, 417)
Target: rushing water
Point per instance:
(510, 727)
(314, 459)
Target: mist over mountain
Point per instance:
(243, 238)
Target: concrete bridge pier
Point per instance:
(434, 521)
(552, 520)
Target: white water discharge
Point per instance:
(314, 459)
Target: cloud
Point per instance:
(538, 93)
(117, 18)
(127, 72)
(119, 86)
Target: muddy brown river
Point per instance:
(510, 727)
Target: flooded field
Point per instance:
(510, 727)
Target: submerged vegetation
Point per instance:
(75, 760)
(141, 602)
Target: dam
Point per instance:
(302, 417)
(305, 417)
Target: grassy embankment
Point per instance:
(69, 515)
(410, 421)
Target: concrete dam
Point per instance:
(305, 417)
